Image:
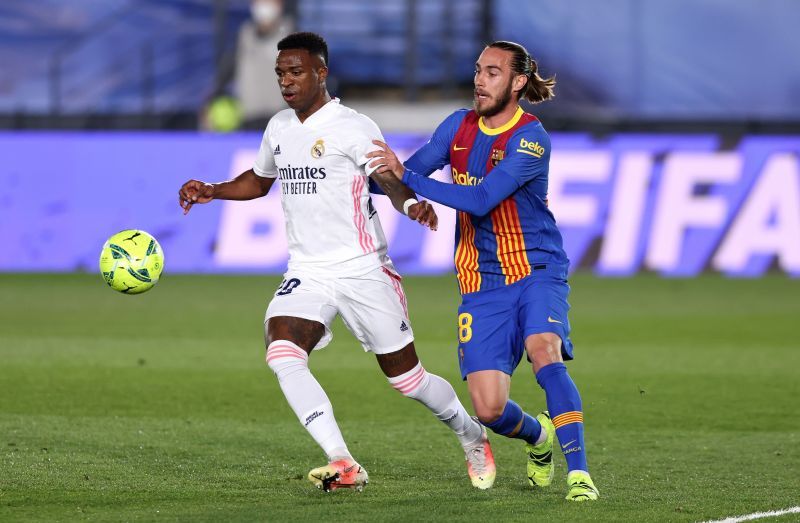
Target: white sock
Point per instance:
(306, 397)
(440, 398)
(542, 437)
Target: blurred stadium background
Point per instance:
(676, 125)
(676, 135)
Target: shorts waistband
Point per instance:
(538, 270)
(557, 270)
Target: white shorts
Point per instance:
(373, 306)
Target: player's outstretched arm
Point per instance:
(246, 186)
(422, 212)
(398, 193)
(478, 200)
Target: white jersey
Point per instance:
(331, 224)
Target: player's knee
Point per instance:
(488, 413)
(544, 348)
(283, 354)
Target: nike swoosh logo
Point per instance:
(567, 444)
(457, 148)
(551, 320)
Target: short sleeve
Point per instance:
(264, 164)
(359, 142)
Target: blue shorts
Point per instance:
(493, 324)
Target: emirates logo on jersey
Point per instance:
(318, 149)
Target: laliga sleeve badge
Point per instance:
(318, 149)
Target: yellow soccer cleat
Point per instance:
(581, 487)
(342, 473)
(540, 457)
(480, 461)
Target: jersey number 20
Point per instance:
(287, 286)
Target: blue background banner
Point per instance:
(674, 204)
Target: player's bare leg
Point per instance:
(489, 390)
(407, 375)
(564, 405)
(289, 342)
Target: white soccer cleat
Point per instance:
(342, 473)
(480, 461)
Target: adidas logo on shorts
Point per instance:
(403, 326)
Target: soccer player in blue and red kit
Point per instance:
(511, 266)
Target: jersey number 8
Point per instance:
(464, 327)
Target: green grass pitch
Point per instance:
(160, 407)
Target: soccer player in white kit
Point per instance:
(337, 261)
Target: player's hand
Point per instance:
(386, 160)
(194, 191)
(424, 213)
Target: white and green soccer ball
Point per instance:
(131, 262)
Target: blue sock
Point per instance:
(510, 418)
(564, 404)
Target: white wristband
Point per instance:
(408, 203)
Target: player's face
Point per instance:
(494, 79)
(301, 77)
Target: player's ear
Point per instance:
(519, 83)
(322, 72)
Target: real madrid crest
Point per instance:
(497, 156)
(318, 149)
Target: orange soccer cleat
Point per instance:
(341, 473)
(480, 462)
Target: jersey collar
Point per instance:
(503, 128)
(321, 114)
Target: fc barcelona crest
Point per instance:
(497, 156)
(318, 149)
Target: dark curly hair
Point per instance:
(311, 42)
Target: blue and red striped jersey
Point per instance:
(504, 230)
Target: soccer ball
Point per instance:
(131, 261)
